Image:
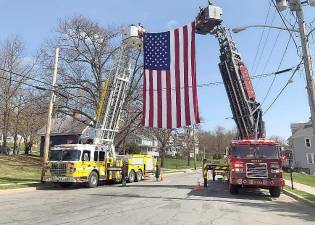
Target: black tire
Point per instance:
(275, 192)
(131, 176)
(93, 180)
(233, 189)
(65, 184)
(138, 176)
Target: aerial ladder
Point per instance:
(243, 170)
(108, 123)
(246, 111)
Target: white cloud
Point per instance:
(171, 24)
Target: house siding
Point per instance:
(300, 151)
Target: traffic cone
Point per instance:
(198, 186)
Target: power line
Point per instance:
(265, 43)
(261, 37)
(24, 76)
(285, 86)
(260, 76)
(274, 78)
(27, 84)
(285, 24)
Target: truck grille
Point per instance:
(256, 170)
(58, 169)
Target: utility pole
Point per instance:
(296, 6)
(51, 105)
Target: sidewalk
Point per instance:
(301, 187)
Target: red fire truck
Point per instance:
(253, 161)
(256, 164)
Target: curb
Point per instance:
(177, 171)
(298, 198)
(22, 183)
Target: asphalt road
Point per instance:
(173, 201)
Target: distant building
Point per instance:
(67, 130)
(147, 143)
(178, 144)
(303, 146)
(10, 138)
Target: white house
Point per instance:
(148, 144)
(303, 146)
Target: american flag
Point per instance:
(169, 85)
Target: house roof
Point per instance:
(304, 131)
(65, 126)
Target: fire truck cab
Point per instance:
(255, 164)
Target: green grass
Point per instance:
(301, 178)
(179, 163)
(19, 169)
(303, 194)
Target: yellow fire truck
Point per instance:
(90, 164)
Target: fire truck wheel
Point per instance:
(233, 189)
(132, 176)
(93, 180)
(275, 192)
(138, 176)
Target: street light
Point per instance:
(296, 6)
(240, 29)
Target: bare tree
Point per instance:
(13, 73)
(87, 59)
(278, 139)
(215, 142)
(32, 116)
(163, 136)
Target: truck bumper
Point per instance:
(56, 179)
(258, 183)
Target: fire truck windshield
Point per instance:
(64, 155)
(255, 151)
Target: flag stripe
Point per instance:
(159, 99)
(186, 85)
(173, 84)
(169, 99)
(155, 99)
(147, 115)
(144, 93)
(151, 110)
(164, 100)
(190, 86)
(177, 78)
(182, 77)
(193, 73)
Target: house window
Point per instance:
(307, 142)
(310, 157)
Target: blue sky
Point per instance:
(35, 21)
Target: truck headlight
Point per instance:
(275, 168)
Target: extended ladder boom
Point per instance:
(246, 110)
(106, 131)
